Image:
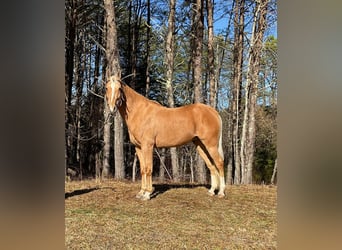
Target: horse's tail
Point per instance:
(220, 149)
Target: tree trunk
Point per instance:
(98, 166)
(70, 38)
(211, 58)
(79, 81)
(148, 36)
(230, 171)
(248, 93)
(169, 63)
(192, 176)
(118, 147)
(135, 17)
(96, 108)
(251, 91)
(134, 168)
(113, 68)
(106, 141)
(197, 50)
(237, 82)
(161, 166)
(133, 52)
(196, 61)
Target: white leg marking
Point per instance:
(214, 184)
(146, 196)
(140, 194)
(222, 187)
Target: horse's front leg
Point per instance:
(147, 153)
(140, 195)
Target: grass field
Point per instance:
(107, 215)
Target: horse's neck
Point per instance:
(131, 104)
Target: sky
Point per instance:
(221, 21)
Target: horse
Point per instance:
(152, 125)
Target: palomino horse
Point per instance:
(153, 125)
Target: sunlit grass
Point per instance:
(107, 215)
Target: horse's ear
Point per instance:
(112, 78)
(121, 83)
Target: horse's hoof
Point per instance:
(221, 195)
(211, 193)
(145, 197)
(140, 195)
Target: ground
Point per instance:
(106, 215)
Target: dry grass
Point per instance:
(108, 216)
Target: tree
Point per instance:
(268, 72)
(239, 23)
(82, 74)
(169, 65)
(148, 38)
(211, 57)
(197, 44)
(196, 60)
(136, 9)
(265, 144)
(70, 36)
(251, 91)
(113, 68)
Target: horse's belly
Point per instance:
(173, 138)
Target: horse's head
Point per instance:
(114, 93)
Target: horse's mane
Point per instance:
(153, 101)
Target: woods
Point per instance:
(221, 53)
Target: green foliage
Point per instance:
(266, 145)
(264, 164)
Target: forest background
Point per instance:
(222, 53)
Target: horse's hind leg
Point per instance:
(218, 160)
(213, 171)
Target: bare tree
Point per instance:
(113, 68)
(211, 56)
(169, 63)
(197, 44)
(70, 39)
(251, 91)
(148, 38)
(198, 29)
(237, 82)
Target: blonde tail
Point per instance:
(220, 149)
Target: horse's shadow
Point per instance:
(84, 191)
(79, 192)
(162, 188)
(158, 189)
